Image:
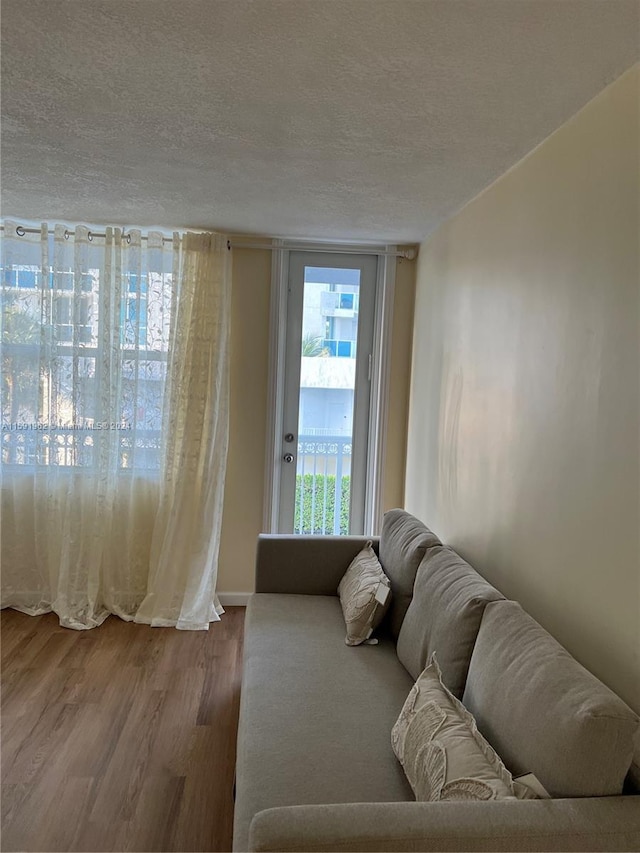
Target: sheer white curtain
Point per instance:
(114, 424)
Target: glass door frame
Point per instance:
(299, 262)
(379, 372)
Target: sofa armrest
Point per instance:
(307, 565)
(598, 823)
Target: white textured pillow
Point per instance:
(443, 754)
(365, 595)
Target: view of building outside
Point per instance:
(50, 406)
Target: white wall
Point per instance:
(523, 442)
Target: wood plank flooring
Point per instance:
(121, 738)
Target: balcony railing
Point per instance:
(323, 484)
(68, 447)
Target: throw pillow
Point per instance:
(443, 754)
(365, 595)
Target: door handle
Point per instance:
(288, 457)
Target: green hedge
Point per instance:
(314, 525)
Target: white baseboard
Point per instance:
(234, 599)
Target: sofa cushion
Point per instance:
(543, 712)
(444, 616)
(315, 714)
(403, 543)
(364, 596)
(443, 754)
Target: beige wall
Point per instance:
(523, 428)
(242, 515)
(242, 519)
(398, 408)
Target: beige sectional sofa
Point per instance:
(315, 767)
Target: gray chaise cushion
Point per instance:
(543, 712)
(316, 715)
(444, 616)
(403, 542)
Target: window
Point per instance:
(84, 358)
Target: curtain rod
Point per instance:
(21, 231)
(409, 254)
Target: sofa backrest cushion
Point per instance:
(444, 616)
(545, 713)
(403, 543)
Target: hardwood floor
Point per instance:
(120, 738)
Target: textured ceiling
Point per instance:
(360, 119)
